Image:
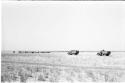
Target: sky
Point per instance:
(63, 26)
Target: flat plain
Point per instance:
(61, 67)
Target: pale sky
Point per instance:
(63, 26)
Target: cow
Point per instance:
(73, 52)
(104, 53)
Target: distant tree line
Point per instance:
(33, 52)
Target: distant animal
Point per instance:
(73, 52)
(104, 53)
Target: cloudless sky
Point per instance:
(63, 26)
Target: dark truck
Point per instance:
(73, 52)
(104, 53)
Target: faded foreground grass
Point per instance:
(37, 73)
(56, 72)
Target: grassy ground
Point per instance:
(62, 68)
(65, 0)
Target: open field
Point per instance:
(63, 0)
(60, 67)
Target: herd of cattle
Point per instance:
(72, 52)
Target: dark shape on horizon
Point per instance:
(73, 52)
(45, 52)
(104, 53)
(13, 51)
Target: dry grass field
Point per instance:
(60, 67)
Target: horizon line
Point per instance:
(64, 50)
